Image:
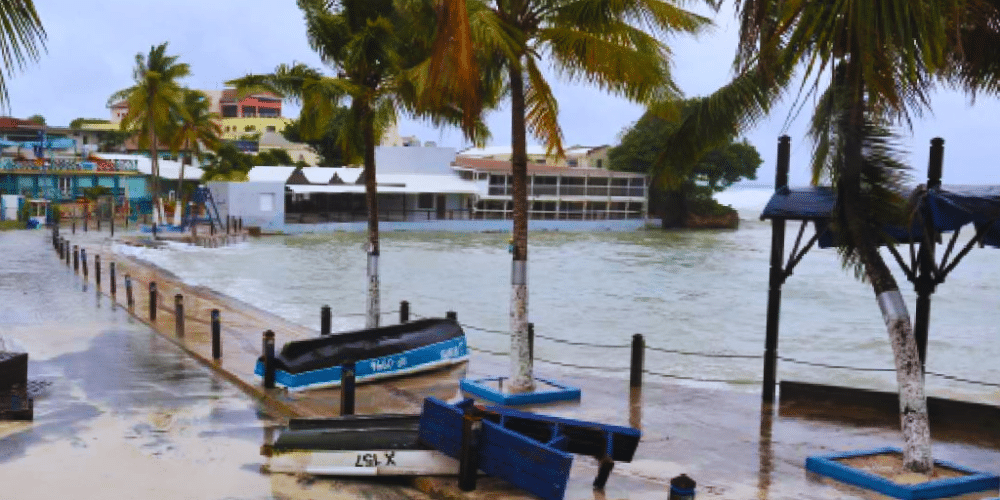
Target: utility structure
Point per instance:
(938, 210)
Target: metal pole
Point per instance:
(638, 359)
(347, 383)
(452, 315)
(76, 258)
(776, 278)
(324, 320)
(268, 359)
(404, 311)
(97, 271)
(152, 301)
(216, 335)
(531, 341)
(179, 315)
(83, 260)
(113, 278)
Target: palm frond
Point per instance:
(542, 109)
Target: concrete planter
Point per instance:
(965, 480)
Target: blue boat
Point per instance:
(382, 352)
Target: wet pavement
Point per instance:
(132, 412)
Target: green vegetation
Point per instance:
(22, 37)
(327, 145)
(192, 127)
(683, 189)
(80, 122)
(9, 225)
(152, 100)
(37, 119)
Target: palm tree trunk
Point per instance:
(155, 170)
(909, 374)
(521, 379)
(371, 197)
(180, 185)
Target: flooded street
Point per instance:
(124, 414)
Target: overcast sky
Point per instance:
(92, 47)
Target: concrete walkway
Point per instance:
(723, 439)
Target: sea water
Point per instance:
(694, 291)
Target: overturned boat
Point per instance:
(364, 445)
(386, 351)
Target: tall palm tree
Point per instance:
(602, 43)
(22, 39)
(375, 49)
(872, 66)
(194, 127)
(152, 99)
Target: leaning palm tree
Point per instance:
(21, 41)
(375, 50)
(593, 41)
(872, 66)
(194, 127)
(154, 96)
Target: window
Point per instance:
(249, 111)
(266, 202)
(425, 201)
(270, 128)
(230, 111)
(600, 163)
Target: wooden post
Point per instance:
(531, 341)
(324, 320)
(347, 383)
(268, 359)
(638, 360)
(113, 278)
(129, 300)
(152, 301)
(76, 258)
(179, 315)
(216, 335)
(925, 284)
(97, 271)
(83, 260)
(776, 278)
(467, 463)
(452, 315)
(404, 311)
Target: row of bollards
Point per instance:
(79, 257)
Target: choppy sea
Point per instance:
(690, 291)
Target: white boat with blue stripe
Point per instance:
(388, 351)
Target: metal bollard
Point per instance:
(269, 359)
(74, 225)
(324, 320)
(179, 315)
(216, 335)
(76, 258)
(635, 368)
(129, 300)
(113, 279)
(229, 220)
(98, 223)
(467, 465)
(404, 311)
(86, 222)
(452, 315)
(682, 488)
(83, 259)
(97, 271)
(152, 301)
(347, 383)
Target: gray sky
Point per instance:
(92, 46)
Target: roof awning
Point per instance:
(951, 208)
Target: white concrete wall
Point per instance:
(406, 160)
(247, 200)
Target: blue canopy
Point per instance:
(951, 207)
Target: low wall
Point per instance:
(479, 226)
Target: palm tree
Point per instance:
(152, 100)
(194, 127)
(872, 66)
(23, 36)
(597, 42)
(375, 49)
